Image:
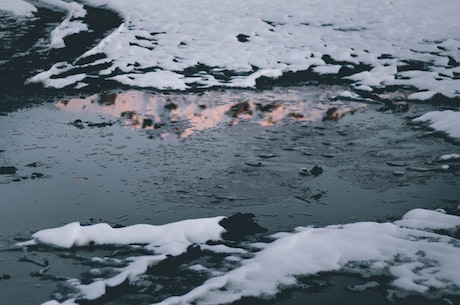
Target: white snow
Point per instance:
(171, 238)
(280, 36)
(447, 121)
(18, 7)
(450, 157)
(417, 260)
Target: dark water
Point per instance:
(126, 157)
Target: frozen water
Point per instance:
(416, 259)
(180, 45)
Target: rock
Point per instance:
(242, 38)
(8, 170)
(316, 170)
(77, 123)
(171, 106)
(239, 109)
(239, 226)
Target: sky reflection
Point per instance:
(180, 115)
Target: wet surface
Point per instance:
(136, 157)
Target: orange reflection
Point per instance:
(179, 115)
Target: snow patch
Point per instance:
(417, 260)
(446, 121)
(232, 44)
(17, 7)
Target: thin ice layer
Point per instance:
(417, 260)
(445, 121)
(206, 43)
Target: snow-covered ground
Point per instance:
(447, 121)
(416, 259)
(178, 44)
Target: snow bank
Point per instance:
(173, 238)
(233, 43)
(17, 7)
(446, 121)
(417, 260)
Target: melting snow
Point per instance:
(419, 260)
(446, 121)
(179, 44)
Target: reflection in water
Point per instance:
(179, 115)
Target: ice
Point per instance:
(447, 121)
(178, 45)
(180, 235)
(414, 258)
(18, 7)
(450, 157)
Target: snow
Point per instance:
(417, 260)
(177, 37)
(18, 7)
(180, 235)
(447, 121)
(450, 157)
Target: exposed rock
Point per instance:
(239, 226)
(316, 170)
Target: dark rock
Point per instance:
(77, 123)
(239, 226)
(171, 106)
(8, 170)
(128, 114)
(34, 164)
(6, 276)
(239, 109)
(269, 107)
(316, 170)
(242, 38)
(100, 125)
(147, 122)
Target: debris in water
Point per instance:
(8, 170)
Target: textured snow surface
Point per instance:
(447, 121)
(416, 259)
(180, 44)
